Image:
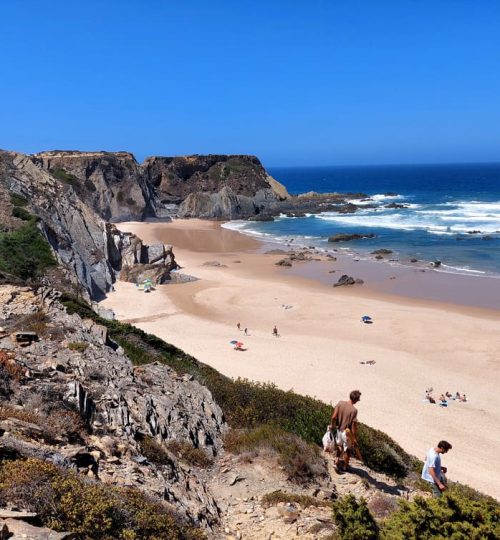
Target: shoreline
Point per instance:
(399, 280)
(416, 343)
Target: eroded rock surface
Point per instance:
(120, 405)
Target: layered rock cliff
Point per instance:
(214, 186)
(117, 188)
(111, 183)
(73, 367)
(90, 251)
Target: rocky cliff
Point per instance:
(214, 186)
(91, 410)
(111, 183)
(90, 251)
(117, 188)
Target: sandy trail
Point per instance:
(322, 342)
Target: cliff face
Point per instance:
(116, 406)
(90, 251)
(111, 183)
(117, 188)
(214, 186)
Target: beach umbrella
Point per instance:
(365, 318)
(234, 342)
(239, 344)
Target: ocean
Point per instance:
(451, 213)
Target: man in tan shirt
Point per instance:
(344, 417)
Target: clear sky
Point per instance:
(294, 82)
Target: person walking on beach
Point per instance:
(344, 418)
(246, 331)
(275, 331)
(432, 471)
(238, 326)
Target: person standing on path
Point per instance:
(432, 471)
(344, 418)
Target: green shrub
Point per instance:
(246, 404)
(66, 177)
(24, 253)
(189, 454)
(278, 496)
(301, 461)
(79, 346)
(21, 213)
(18, 200)
(354, 520)
(455, 515)
(154, 451)
(65, 501)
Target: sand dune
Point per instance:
(322, 343)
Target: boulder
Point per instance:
(154, 253)
(284, 262)
(347, 237)
(16, 529)
(347, 280)
(382, 251)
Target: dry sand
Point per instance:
(322, 342)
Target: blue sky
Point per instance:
(312, 82)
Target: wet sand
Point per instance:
(415, 343)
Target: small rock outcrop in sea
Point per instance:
(347, 280)
(382, 251)
(347, 237)
(396, 205)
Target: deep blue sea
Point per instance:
(445, 203)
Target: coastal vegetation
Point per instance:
(461, 513)
(64, 500)
(24, 253)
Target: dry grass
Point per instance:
(301, 461)
(188, 453)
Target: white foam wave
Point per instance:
(377, 198)
(441, 219)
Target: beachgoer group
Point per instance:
(445, 398)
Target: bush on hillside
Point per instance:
(301, 461)
(18, 200)
(189, 454)
(21, 213)
(24, 253)
(461, 514)
(248, 405)
(66, 177)
(65, 501)
(354, 520)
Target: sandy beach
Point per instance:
(415, 343)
